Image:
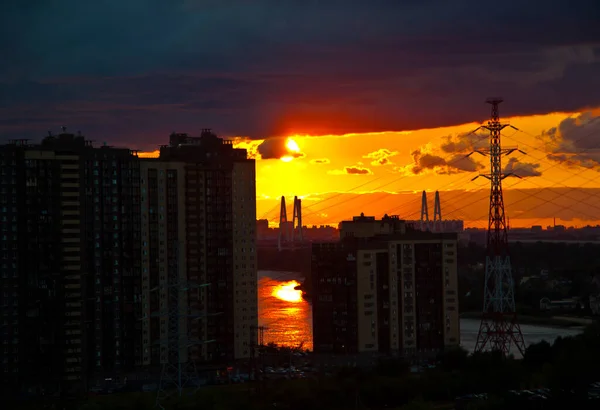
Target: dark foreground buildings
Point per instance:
(385, 289)
(91, 239)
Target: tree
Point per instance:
(392, 367)
(536, 355)
(453, 359)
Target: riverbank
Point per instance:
(549, 321)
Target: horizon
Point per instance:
(326, 102)
(385, 172)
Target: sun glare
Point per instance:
(286, 291)
(291, 145)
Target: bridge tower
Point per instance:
(284, 231)
(424, 213)
(290, 232)
(297, 220)
(437, 214)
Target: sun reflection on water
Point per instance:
(285, 291)
(282, 310)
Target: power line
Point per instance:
(553, 165)
(333, 196)
(454, 159)
(178, 368)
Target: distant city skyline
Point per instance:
(339, 176)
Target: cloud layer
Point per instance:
(575, 141)
(134, 71)
(381, 157)
(319, 161)
(276, 148)
(461, 153)
(353, 170)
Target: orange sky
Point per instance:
(341, 176)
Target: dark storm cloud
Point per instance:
(276, 148)
(442, 165)
(522, 169)
(264, 68)
(574, 142)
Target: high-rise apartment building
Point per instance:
(164, 249)
(92, 240)
(200, 196)
(70, 235)
(385, 288)
(110, 213)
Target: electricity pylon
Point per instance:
(178, 370)
(499, 328)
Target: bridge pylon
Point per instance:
(290, 232)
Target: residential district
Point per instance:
(111, 262)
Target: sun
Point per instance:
(292, 147)
(286, 292)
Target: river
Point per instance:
(288, 318)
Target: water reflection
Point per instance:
(282, 310)
(469, 328)
(285, 291)
(288, 317)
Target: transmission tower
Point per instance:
(257, 365)
(178, 370)
(499, 328)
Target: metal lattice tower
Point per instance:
(255, 365)
(499, 328)
(179, 370)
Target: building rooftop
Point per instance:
(205, 148)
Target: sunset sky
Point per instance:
(378, 173)
(372, 92)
